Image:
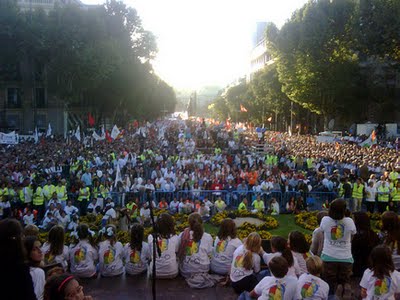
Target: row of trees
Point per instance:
(97, 57)
(333, 59)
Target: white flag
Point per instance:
(36, 136)
(115, 132)
(78, 134)
(48, 133)
(96, 136)
(103, 133)
(118, 177)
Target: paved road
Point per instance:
(120, 288)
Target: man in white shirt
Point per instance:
(70, 209)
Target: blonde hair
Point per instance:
(314, 265)
(252, 244)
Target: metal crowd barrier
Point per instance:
(314, 200)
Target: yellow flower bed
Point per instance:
(269, 222)
(307, 220)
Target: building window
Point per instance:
(40, 97)
(13, 98)
(13, 121)
(41, 121)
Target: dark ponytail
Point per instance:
(196, 225)
(280, 245)
(137, 235)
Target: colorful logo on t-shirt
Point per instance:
(309, 289)
(276, 292)
(221, 246)
(135, 257)
(80, 255)
(48, 257)
(109, 256)
(382, 286)
(192, 247)
(163, 244)
(239, 261)
(337, 232)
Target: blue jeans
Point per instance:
(245, 296)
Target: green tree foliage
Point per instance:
(99, 57)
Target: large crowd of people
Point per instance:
(199, 169)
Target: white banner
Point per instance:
(8, 138)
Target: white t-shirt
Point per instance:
(380, 288)
(311, 287)
(276, 288)
(166, 264)
(337, 237)
(238, 272)
(28, 220)
(293, 270)
(222, 254)
(110, 258)
(136, 261)
(197, 255)
(370, 193)
(38, 279)
(61, 258)
(82, 258)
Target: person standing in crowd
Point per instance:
(13, 266)
(381, 280)
(336, 253)
(357, 194)
(370, 196)
(363, 242)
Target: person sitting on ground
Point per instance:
(279, 247)
(174, 206)
(204, 212)
(225, 245)
(243, 205)
(310, 286)
(137, 252)
(279, 284)
(163, 204)
(246, 263)
(145, 214)
(55, 252)
(195, 249)
(291, 206)
(220, 205)
(110, 253)
(274, 207)
(83, 256)
(168, 241)
(258, 205)
(64, 286)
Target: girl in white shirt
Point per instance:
(83, 256)
(110, 254)
(300, 250)
(196, 246)
(246, 264)
(381, 281)
(137, 252)
(225, 244)
(35, 259)
(55, 252)
(279, 285)
(168, 241)
(310, 286)
(279, 247)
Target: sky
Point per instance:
(206, 42)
